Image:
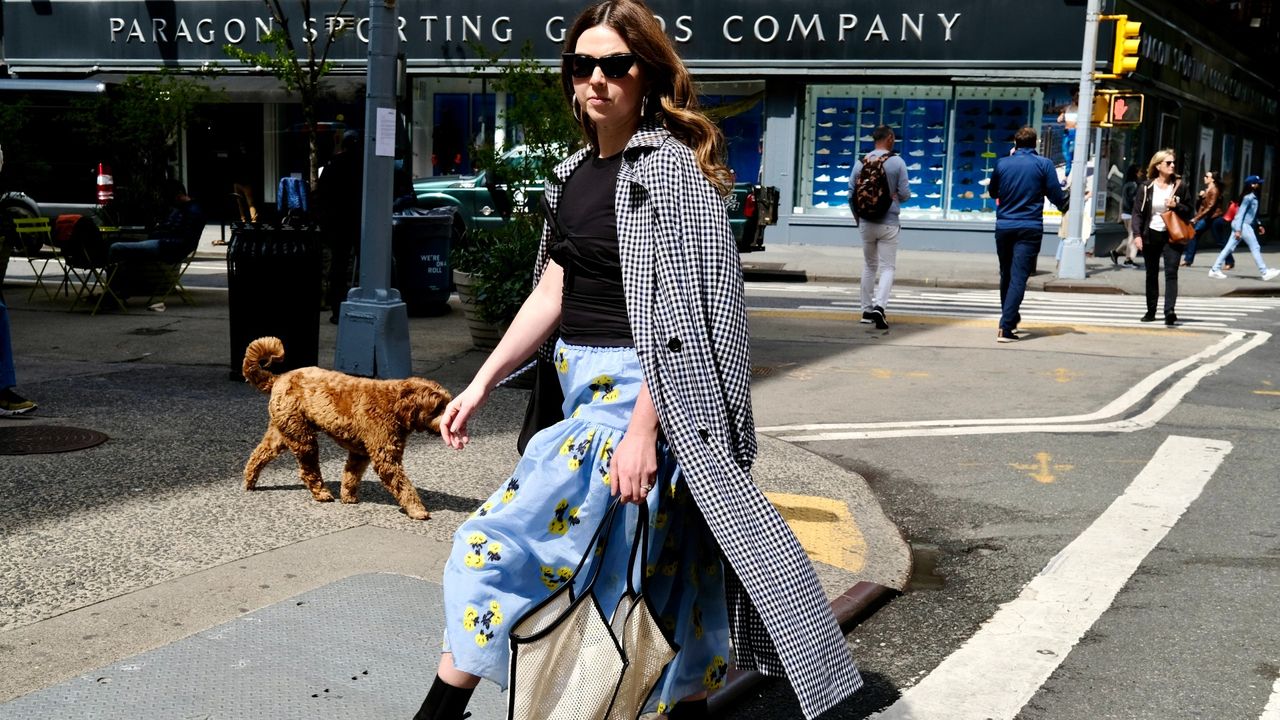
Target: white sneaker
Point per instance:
(1271, 274)
(1217, 274)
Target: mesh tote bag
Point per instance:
(570, 662)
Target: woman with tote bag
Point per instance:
(1161, 193)
(646, 295)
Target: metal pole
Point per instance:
(373, 326)
(1072, 264)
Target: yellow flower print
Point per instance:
(662, 708)
(476, 538)
(564, 519)
(649, 570)
(473, 561)
(469, 618)
(660, 520)
(562, 362)
(579, 452)
(669, 569)
(495, 613)
(697, 622)
(567, 446)
(484, 510)
(495, 551)
(606, 451)
(577, 412)
(482, 639)
(603, 388)
(714, 676)
(513, 486)
(669, 624)
(553, 578)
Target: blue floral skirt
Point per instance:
(527, 538)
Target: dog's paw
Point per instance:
(323, 496)
(418, 514)
(350, 499)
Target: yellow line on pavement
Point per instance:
(826, 529)
(1048, 328)
(1266, 392)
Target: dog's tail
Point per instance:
(255, 371)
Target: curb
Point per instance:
(850, 608)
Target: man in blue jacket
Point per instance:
(1020, 183)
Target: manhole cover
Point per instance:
(36, 439)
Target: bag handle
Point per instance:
(605, 522)
(638, 544)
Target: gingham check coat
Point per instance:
(683, 282)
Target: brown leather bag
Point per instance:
(1180, 231)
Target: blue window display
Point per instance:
(984, 132)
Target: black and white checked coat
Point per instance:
(683, 282)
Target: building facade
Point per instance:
(802, 85)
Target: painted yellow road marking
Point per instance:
(826, 529)
(1063, 375)
(887, 374)
(1043, 469)
(1266, 392)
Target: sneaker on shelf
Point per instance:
(1271, 274)
(11, 403)
(866, 318)
(1005, 336)
(1217, 274)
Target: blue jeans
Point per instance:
(1017, 249)
(1246, 234)
(8, 377)
(1189, 254)
(1221, 230)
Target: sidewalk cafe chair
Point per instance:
(84, 254)
(35, 242)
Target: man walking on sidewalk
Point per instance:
(877, 186)
(1019, 184)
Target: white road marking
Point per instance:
(1091, 422)
(1000, 668)
(1272, 710)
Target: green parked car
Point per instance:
(482, 202)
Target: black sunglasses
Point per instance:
(613, 66)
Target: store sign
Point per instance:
(826, 33)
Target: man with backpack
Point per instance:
(1020, 183)
(877, 186)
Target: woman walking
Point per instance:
(645, 293)
(1242, 229)
(1128, 196)
(1210, 209)
(1162, 191)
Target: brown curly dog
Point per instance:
(370, 419)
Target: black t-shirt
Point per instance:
(593, 308)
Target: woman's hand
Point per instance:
(453, 421)
(634, 466)
(1238, 234)
(1137, 245)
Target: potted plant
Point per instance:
(493, 270)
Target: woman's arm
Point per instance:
(538, 317)
(634, 466)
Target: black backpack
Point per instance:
(871, 197)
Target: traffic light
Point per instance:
(1124, 58)
(1116, 108)
(1126, 109)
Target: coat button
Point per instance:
(704, 433)
(674, 344)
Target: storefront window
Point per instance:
(948, 137)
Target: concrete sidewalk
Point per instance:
(142, 581)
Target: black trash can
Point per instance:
(420, 244)
(273, 288)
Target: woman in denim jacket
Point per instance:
(1242, 229)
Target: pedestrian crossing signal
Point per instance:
(1116, 108)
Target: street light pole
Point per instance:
(1071, 266)
(373, 325)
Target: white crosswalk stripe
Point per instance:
(1037, 307)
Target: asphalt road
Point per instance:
(1017, 472)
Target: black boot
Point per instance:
(445, 702)
(690, 710)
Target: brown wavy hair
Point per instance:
(671, 97)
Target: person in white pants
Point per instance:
(880, 238)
